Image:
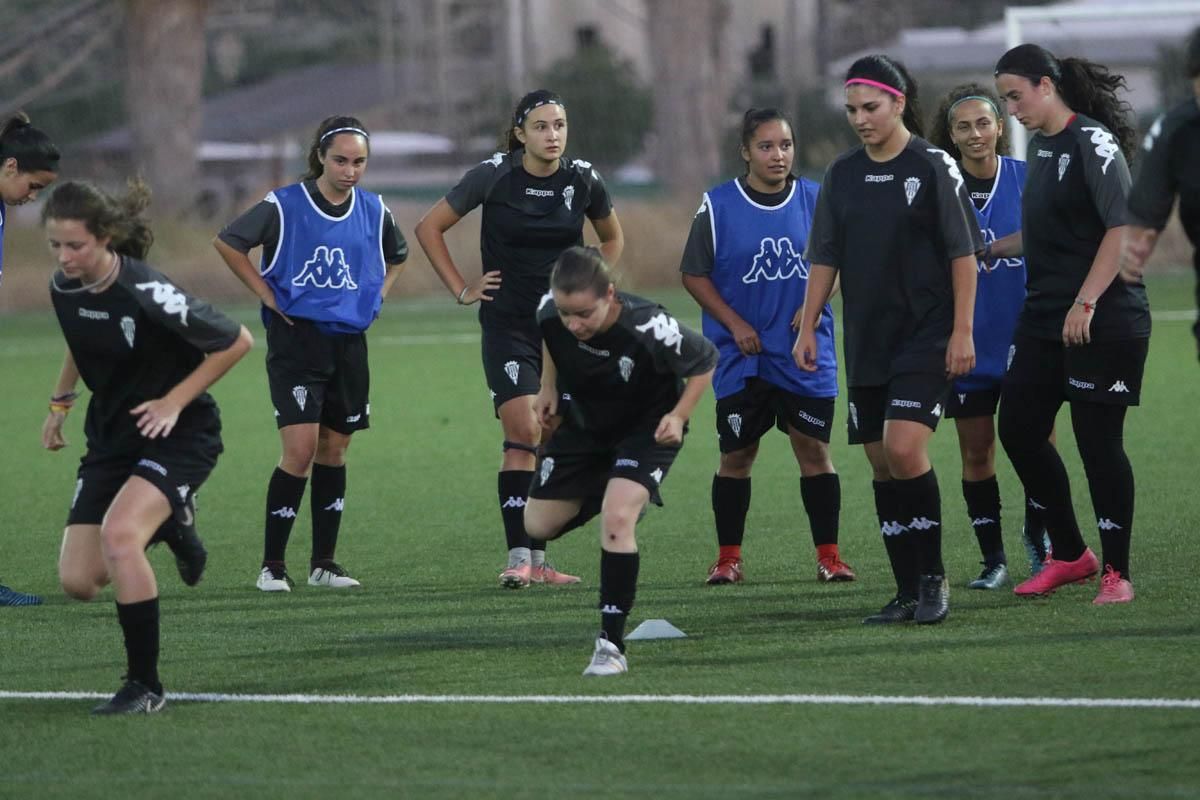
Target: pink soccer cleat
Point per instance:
(1113, 588)
(517, 576)
(549, 576)
(1057, 573)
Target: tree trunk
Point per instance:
(691, 93)
(165, 58)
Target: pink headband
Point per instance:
(877, 85)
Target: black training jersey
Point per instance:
(133, 342)
(1076, 185)
(1170, 165)
(527, 223)
(260, 226)
(891, 229)
(626, 378)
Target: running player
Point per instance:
(969, 126)
(1082, 336)
(1170, 166)
(634, 375)
(534, 201)
(148, 352)
(894, 222)
(330, 252)
(28, 164)
(742, 263)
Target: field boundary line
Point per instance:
(635, 699)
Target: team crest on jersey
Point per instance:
(1106, 146)
(128, 329)
(171, 299)
(547, 469)
(512, 369)
(1064, 161)
(568, 196)
(300, 393)
(625, 364)
(776, 260)
(735, 424)
(911, 187)
(854, 416)
(665, 330)
(327, 269)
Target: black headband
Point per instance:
(521, 115)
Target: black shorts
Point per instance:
(318, 377)
(914, 396)
(1100, 372)
(576, 466)
(745, 417)
(512, 361)
(176, 465)
(973, 404)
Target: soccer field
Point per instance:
(434, 644)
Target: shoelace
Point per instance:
(1110, 580)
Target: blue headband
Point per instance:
(980, 98)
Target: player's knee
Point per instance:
(738, 463)
(537, 526)
(618, 522)
(78, 584)
(813, 456)
(904, 457)
(331, 449)
(978, 456)
(120, 539)
(298, 458)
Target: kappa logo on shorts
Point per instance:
(776, 260)
(327, 269)
(300, 393)
(78, 489)
(911, 187)
(810, 419)
(665, 330)
(154, 465)
(657, 475)
(898, 403)
(513, 370)
(568, 196)
(171, 299)
(1119, 387)
(353, 419)
(128, 328)
(631, 463)
(937, 410)
(625, 364)
(1106, 146)
(1087, 385)
(547, 469)
(735, 424)
(854, 416)
(1012, 351)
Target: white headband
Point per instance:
(359, 131)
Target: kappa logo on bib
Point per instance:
(327, 269)
(776, 260)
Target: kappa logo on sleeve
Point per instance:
(1153, 134)
(1106, 146)
(171, 299)
(327, 269)
(665, 330)
(951, 166)
(776, 260)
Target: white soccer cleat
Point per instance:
(333, 576)
(606, 660)
(274, 579)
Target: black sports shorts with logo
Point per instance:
(577, 466)
(177, 466)
(745, 417)
(973, 404)
(318, 377)
(512, 360)
(1099, 372)
(914, 396)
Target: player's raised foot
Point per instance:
(132, 698)
(517, 576)
(725, 570)
(607, 659)
(1057, 573)
(1113, 588)
(832, 569)
(11, 597)
(900, 608)
(274, 578)
(330, 574)
(1037, 548)
(993, 576)
(933, 602)
(190, 555)
(549, 576)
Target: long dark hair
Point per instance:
(322, 140)
(538, 97)
(890, 72)
(1085, 87)
(122, 219)
(941, 133)
(580, 268)
(757, 116)
(30, 146)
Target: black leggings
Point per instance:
(1026, 418)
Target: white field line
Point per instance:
(652, 699)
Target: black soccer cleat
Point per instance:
(132, 698)
(900, 608)
(934, 600)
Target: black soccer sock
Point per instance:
(730, 503)
(822, 497)
(1099, 433)
(921, 502)
(896, 538)
(983, 507)
(139, 623)
(618, 586)
(327, 499)
(513, 488)
(1035, 528)
(284, 494)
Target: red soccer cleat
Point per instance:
(832, 569)
(1057, 573)
(725, 570)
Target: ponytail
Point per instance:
(121, 219)
(580, 268)
(891, 76)
(30, 146)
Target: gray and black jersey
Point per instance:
(527, 223)
(891, 230)
(1076, 185)
(133, 342)
(1170, 165)
(624, 379)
